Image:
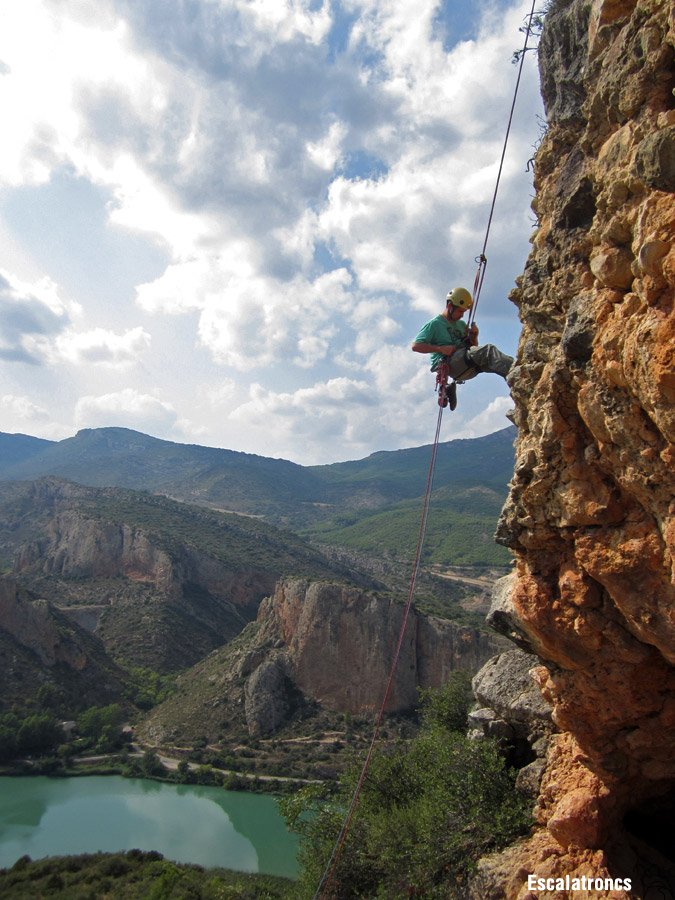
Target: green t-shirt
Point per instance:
(442, 333)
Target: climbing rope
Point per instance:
(324, 884)
(329, 872)
(481, 259)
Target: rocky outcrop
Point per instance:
(339, 644)
(512, 710)
(161, 583)
(590, 512)
(317, 646)
(39, 646)
(268, 696)
(32, 625)
(74, 544)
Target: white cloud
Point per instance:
(313, 201)
(249, 321)
(352, 416)
(20, 414)
(338, 412)
(31, 315)
(326, 152)
(103, 346)
(287, 20)
(224, 392)
(492, 418)
(22, 409)
(126, 408)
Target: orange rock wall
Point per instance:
(590, 512)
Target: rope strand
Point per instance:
(482, 259)
(329, 871)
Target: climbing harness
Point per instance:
(442, 376)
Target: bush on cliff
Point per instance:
(426, 813)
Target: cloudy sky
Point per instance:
(223, 221)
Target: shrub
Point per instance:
(448, 707)
(22, 863)
(426, 813)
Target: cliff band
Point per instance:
(590, 511)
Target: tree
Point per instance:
(184, 773)
(151, 764)
(8, 744)
(37, 733)
(49, 696)
(103, 726)
(449, 705)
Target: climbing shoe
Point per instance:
(451, 395)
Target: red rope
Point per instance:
(481, 259)
(324, 884)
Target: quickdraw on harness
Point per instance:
(442, 376)
(447, 391)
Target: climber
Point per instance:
(451, 341)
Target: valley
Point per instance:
(256, 628)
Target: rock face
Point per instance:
(161, 583)
(74, 545)
(32, 626)
(316, 644)
(39, 646)
(512, 710)
(590, 511)
(339, 643)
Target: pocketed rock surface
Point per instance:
(590, 511)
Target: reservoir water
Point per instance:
(42, 816)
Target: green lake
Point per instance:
(42, 816)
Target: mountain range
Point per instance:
(369, 505)
(159, 581)
(161, 553)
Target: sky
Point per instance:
(223, 222)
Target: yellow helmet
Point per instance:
(460, 297)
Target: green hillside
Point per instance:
(132, 875)
(298, 497)
(119, 457)
(402, 473)
(460, 529)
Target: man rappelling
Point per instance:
(454, 346)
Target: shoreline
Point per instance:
(115, 764)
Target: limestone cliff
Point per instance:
(39, 646)
(340, 641)
(33, 627)
(77, 541)
(590, 511)
(161, 583)
(315, 645)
